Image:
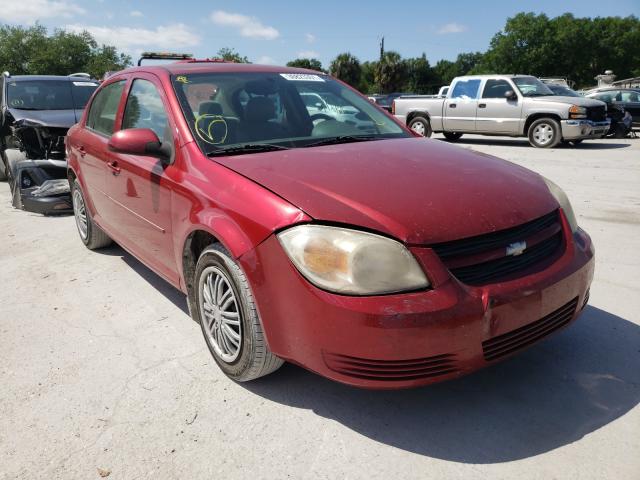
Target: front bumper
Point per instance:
(584, 129)
(412, 339)
(53, 205)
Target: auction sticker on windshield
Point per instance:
(305, 77)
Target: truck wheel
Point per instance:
(452, 136)
(421, 126)
(544, 133)
(228, 317)
(91, 235)
(3, 167)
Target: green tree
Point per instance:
(346, 67)
(367, 77)
(310, 63)
(464, 64)
(230, 55)
(32, 51)
(421, 78)
(390, 73)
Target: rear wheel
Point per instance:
(228, 317)
(421, 126)
(91, 234)
(452, 136)
(544, 133)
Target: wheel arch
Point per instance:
(418, 113)
(537, 116)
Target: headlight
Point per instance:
(577, 112)
(352, 262)
(564, 202)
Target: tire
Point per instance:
(91, 234)
(544, 133)
(421, 126)
(452, 136)
(11, 157)
(219, 281)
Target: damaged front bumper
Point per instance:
(41, 186)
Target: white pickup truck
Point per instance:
(514, 105)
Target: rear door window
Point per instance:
(103, 110)
(466, 89)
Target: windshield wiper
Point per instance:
(341, 139)
(26, 108)
(247, 148)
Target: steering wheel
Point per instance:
(321, 116)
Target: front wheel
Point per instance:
(544, 133)
(421, 126)
(228, 317)
(91, 234)
(452, 136)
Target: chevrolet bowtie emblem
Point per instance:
(516, 248)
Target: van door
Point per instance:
(461, 106)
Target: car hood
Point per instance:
(419, 191)
(49, 118)
(579, 101)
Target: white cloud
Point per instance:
(136, 13)
(310, 37)
(129, 39)
(452, 28)
(266, 60)
(308, 54)
(248, 26)
(28, 11)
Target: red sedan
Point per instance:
(323, 233)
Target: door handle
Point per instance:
(113, 166)
(82, 151)
(482, 105)
(452, 105)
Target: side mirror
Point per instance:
(139, 141)
(510, 95)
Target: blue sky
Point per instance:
(278, 31)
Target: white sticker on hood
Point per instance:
(85, 84)
(303, 77)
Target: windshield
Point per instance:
(49, 94)
(531, 87)
(563, 91)
(230, 110)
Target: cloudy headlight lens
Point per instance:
(577, 112)
(352, 262)
(564, 202)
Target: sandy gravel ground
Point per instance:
(101, 368)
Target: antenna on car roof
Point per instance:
(164, 56)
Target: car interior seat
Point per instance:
(257, 115)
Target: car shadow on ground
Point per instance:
(551, 395)
(523, 142)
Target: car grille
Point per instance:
(502, 345)
(391, 370)
(597, 114)
(483, 259)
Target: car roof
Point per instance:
(188, 67)
(23, 78)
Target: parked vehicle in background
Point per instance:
(442, 93)
(562, 91)
(379, 260)
(325, 106)
(385, 101)
(627, 98)
(36, 113)
(514, 105)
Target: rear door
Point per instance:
(461, 106)
(139, 187)
(630, 101)
(91, 146)
(497, 114)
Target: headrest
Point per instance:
(210, 108)
(260, 109)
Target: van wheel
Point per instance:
(421, 126)
(452, 136)
(544, 133)
(228, 317)
(91, 234)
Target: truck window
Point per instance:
(466, 89)
(496, 88)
